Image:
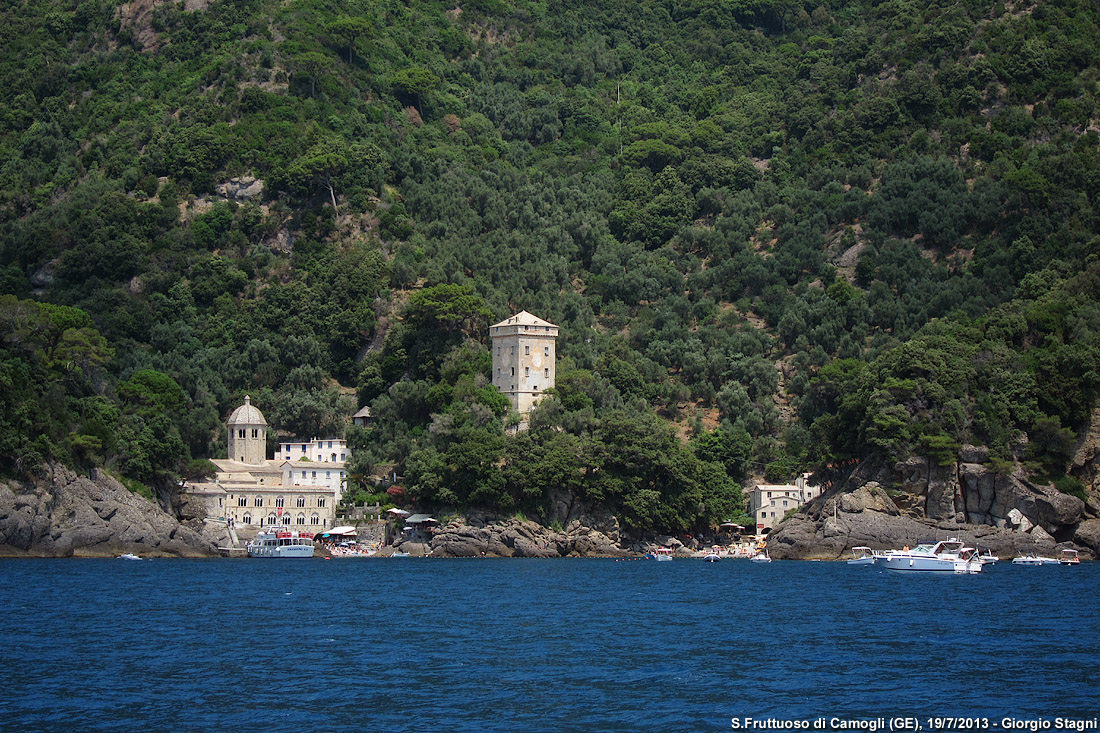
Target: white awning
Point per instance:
(341, 532)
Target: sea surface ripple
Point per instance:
(472, 645)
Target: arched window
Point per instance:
(259, 501)
(247, 519)
(301, 501)
(279, 502)
(301, 518)
(316, 519)
(286, 519)
(271, 518)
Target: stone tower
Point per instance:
(524, 356)
(247, 435)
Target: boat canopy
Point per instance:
(341, 532)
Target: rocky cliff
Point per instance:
(889, 507)
(478, 535)
(63, 514)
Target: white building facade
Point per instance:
(251, 491)
(524, 358)
(769, 503)
(328, 450)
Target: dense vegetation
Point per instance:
(775, 235)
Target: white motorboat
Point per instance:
(1035, 560)
(761, 556)
(281, 543)
(945, 556)
(129, 556)
(864, 556)
(711, 556)
(1069, 557)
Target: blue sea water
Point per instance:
(518, 645)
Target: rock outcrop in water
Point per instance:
(482, 536)
(63, 514)
(887, 508)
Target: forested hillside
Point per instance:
(775, 235)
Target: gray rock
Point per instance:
(534, 548)
(1018, 521)
(1088, 534)
(479, 536)
(251, 191)
(62, 514)
(870, 496)
(974, 454)
(1003, 513)
(1040, 535)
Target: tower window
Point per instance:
(240, 433)
(546, 351)
(546, 373)
(526, 350)
(526, 371)
(255, 433)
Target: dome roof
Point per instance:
(246, 414)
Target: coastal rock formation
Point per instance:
(1006, 514)
(63, 514)
(242, 188)
(482, 536)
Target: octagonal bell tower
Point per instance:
(247, 434)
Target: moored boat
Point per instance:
(761, 556)
(1069, 557)
(1035, 560)
(945, 556)
(863, 556)
(281, 543)
(662, 553)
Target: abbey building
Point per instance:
(299, 488)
